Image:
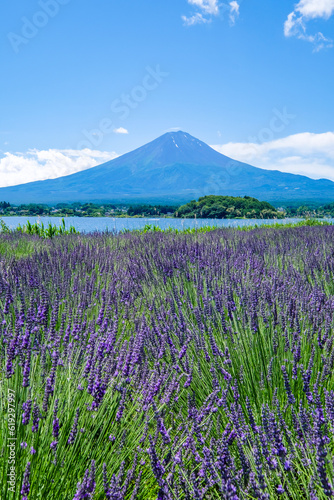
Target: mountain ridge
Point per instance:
(174, 167)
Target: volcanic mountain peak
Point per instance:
(173, 147)
(175, 167)
(179, 139)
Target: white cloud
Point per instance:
(208, 6)
(234, 11)
(36, 165)
(121, 130)
(206, 10)
(306, 154)
(315, 8)
(173, 129)
(304, 11)
(195, 19)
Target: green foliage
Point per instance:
(151, 228)
(216, 207)
(50, 231)
(60, 210)
(277, 225)
(227, 207)
(4, 228)
(148, 210)
(309, 210)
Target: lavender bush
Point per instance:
(163, 366)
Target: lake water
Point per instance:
(91, 224)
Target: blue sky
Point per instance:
(84, 81)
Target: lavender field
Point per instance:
(160, 366)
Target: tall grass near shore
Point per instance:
(38, 229)
(168, 366)
(152, 228)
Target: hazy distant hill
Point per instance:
(175, 167)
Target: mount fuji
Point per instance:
(176, 167)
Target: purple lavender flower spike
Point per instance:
(25, 483)
(26, 407)
(74, 429)
(291, 397)
(86, 488)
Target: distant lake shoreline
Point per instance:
(117, 224)
(157, 217)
